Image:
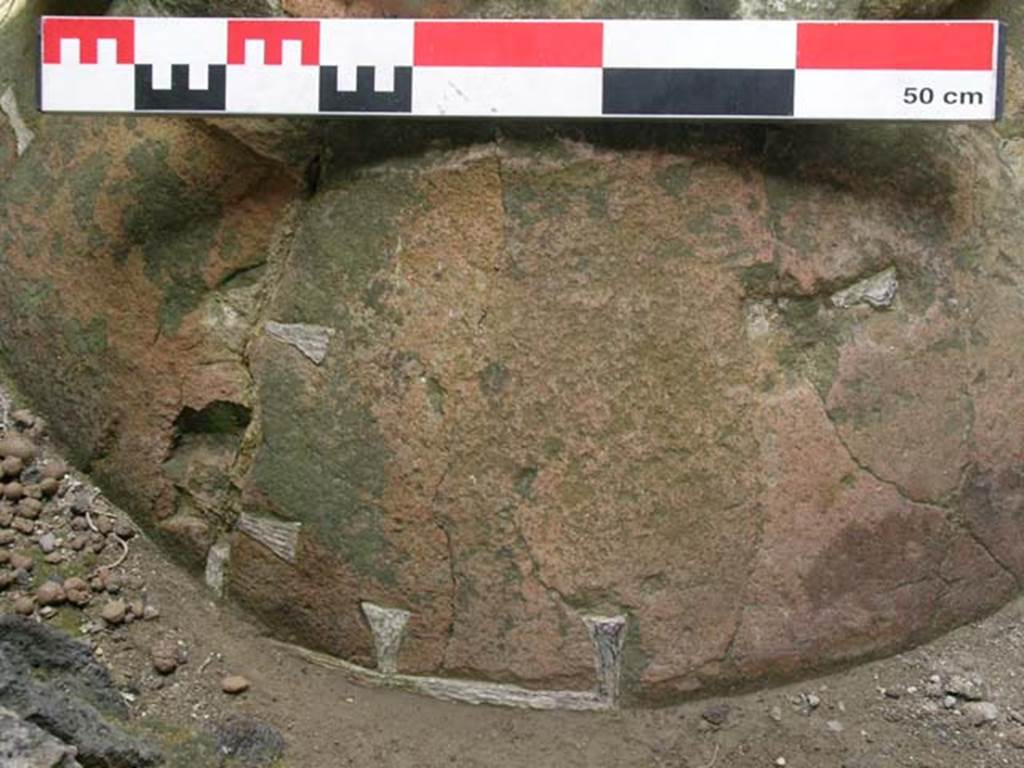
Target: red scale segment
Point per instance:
(88, 32)
(509, 44)
(881, 46)
(273, 33)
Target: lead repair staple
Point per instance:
(729, 70)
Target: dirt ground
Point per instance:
(917, 709)
(329, 722)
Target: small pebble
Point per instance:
(775, 713)
(14, 491)
(150, 613)
(77, 591)
(49, 487)
(981, 713)
(135, 608)
(24, 605)
(949, 702)
(50, 593)
(716, 714)
(21, 562)
(78, 543)
(123, 529)
(1016, 738)
(164, 656)
(54, 470)
(47, 611)
(47, 542)
(234, 685)
(104, 524)
(79, 524)
(834, 726)
(22, 525)
(54, 558)
(18, 447)
(114, 612)
(12, 466)
(963, 687)
(781, 762)
(111, 582)
(29, 508)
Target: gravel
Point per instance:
(234, 685)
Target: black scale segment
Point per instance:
(180, 96)
(365, 98)
(730, 92)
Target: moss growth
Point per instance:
(675, 179)
(347, 238)
(813, 345)
(87, 339)
(324, 462)
(69, 620)
(174, 225)
(759, 279)
(634, 660)
(436, 394)
(43, 571)
(87, 185)
(493, 379)
(524, 481)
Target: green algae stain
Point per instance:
(813, 344)
(436, 394)
(524, 481)
(759, 280)
(87, 339)
(493, 379)
(87, 184)
(323, 462)
(675, 179)
(175, 227)
(347, 238)
(634, 659)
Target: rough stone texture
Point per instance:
(249, 742)
(24, 745)
(576, 370)
(53, 682)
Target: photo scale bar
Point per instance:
(671, 69)
(696, 92)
